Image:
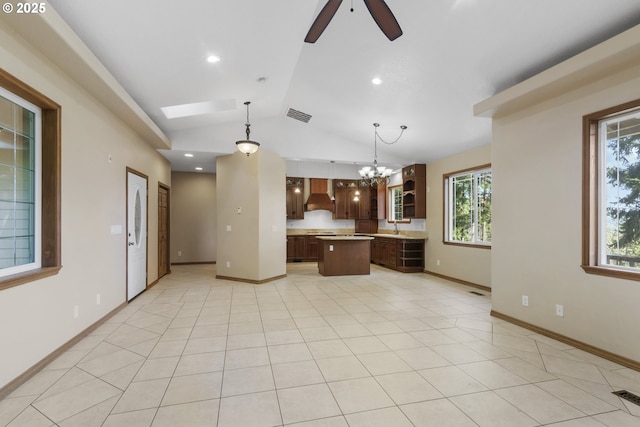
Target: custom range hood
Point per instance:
(319, 197)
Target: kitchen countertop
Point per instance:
(346, 232)
(397, 236)
(345, 237)
(318, 232)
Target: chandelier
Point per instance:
(378, 175)
(247, 146)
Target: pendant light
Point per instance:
(247, 146)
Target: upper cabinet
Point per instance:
(364, 202)
(379, 202)
(344, 193)
(295, 198)
(414, 189)
(354, 200)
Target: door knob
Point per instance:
(131, 243)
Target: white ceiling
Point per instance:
(452, 55)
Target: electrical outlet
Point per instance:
(179, 253)
(97, 299)
(76, 311)
(437, 262)
(525, 300)
(559, 310)
(228, 228)
(228, 264)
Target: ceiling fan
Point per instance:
(377, 8)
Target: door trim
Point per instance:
(126, 242)
(168, 254)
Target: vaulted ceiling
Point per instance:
(452, 55)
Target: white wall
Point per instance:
(459, 262)
(36, 318)
(193, 217)
(251, 216)
(536, 162)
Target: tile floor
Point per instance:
(387, 350)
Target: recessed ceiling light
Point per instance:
(188, 155)
(198, 168)
(376, 81)
(212, 59)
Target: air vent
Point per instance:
(627, 395)
(298, 115)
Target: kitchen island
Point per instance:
(344, 255)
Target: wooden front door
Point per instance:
(163, 231)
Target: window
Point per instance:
(20, 139)
(29, 183)
(468, 207)
(611, 193)
(395, 203)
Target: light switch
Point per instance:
(228, 228)
(330, 248)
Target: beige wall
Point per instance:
(251, 200)
(193, 217)
(537, 221)
(36, 318)
(459, 262)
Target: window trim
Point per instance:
(51, 252)
(590, 192)
(445, 208)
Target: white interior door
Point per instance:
(136, 234)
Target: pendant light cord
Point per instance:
(247, 124)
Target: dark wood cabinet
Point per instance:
(406, 255)
(296, 248)
(302, 248)
(375, 251)
(390, 254)
(378, 202)
(414, 191)
(344, 256)
(291, 249)
(312, 248)
(366, 226)
(354, 200)
(384, 253)
(295, 198)
(411, 255)
(364, 204)
(344, 192)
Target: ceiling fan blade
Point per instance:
(384, 18)
(322, 20)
